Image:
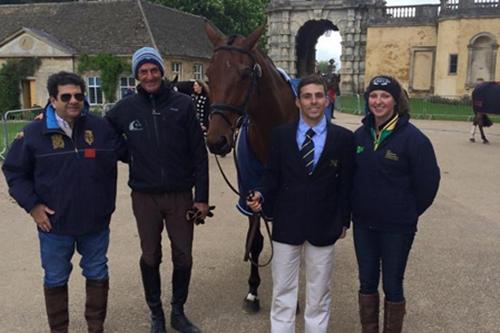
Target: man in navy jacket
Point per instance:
(308, 191)
(62, 171)
(167, 159)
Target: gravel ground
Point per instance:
(452, 281)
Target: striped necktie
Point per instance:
(307, 151)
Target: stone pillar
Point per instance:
(353, 34)
(281, 41)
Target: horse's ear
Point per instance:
(252, 39)
(214, 34)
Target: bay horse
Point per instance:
(246, 90)
(485, 99)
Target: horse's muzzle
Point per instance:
(220, 147)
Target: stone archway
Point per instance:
(306, 40)
(295, 25)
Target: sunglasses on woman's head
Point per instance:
(67, 97)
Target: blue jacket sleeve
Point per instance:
(346, 179)
(18, 169)
(118, 141)
(425, 174)
(271, 178)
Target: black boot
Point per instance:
(180, 289)
(180, 322)
(56, 302)
(96, 304)
(152, 290)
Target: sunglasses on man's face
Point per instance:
(67, 97)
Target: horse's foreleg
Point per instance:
(252, 303)
(483, 136)
(473, 133)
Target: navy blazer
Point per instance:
(309, 208)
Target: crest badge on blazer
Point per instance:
(57, 141)
(89, 137)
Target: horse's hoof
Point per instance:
(472, 140)
(486, 142)
(251, 304)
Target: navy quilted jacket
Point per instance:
(394, 184)
(76, 177)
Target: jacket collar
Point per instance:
(163, 92)
(50, 117)
(369, 121)
(330, 142)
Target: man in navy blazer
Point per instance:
(307, 186)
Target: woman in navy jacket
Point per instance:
(395, 181)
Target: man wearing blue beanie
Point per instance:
(168, 158)
(147, 55)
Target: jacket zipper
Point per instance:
(157, 133)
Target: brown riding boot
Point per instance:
(368, 312)
(96, 304)
(56, 303)
(393, 316)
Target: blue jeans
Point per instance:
(56, 252)
(375, 248)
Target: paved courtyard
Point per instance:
(452, 280)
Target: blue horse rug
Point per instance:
(250, 170)
(486, 98)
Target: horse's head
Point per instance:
(232, 75)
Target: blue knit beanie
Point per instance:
(147, 55)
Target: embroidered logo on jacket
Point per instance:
(89, 137)
(57, 141)
(135, 126)
(391, 156)
(360, 149)
(334, 163)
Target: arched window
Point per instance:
(482, 58)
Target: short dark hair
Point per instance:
(63, 78)
(311, 79)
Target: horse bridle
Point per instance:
(241, 110)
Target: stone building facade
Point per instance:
(439, 49)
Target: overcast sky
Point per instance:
(329, 46)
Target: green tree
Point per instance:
(230, 16)
(15, 2)
(11, 75)
(322, 66)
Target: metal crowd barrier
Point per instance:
(443, 107)
(13, 121)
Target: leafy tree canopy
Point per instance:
(15, 2)
(230, 16)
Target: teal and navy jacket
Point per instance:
(75, 177)
(396, 177)
(167, 152)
